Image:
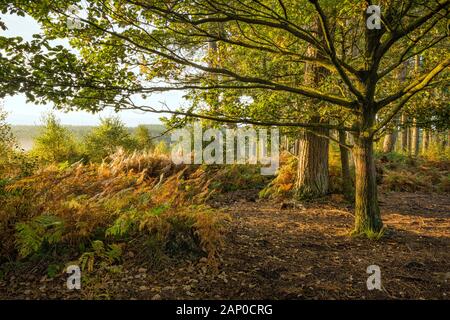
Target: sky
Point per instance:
(22, 113)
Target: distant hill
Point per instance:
(25, 134)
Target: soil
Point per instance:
(283, 251)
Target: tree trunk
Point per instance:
(404, 145)
(391, 137)
(347, 185)
(312, 170)
(425, 140)
(367, 213)
(389, 141)
(312, 179)
(408, 144)
(415, 139)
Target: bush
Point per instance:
(105, 139)
(405, 181)
(14, 162)
(55, 143)
(143, 138)
(161, 148)
(436, 152)
(282, 185)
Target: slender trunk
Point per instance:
(415, 139)
(404, 145)
(448, 137)
(367, 213)
(286, 143)
(415, 131)
(437, 140)
(390, 138)
(425, 140)
(312, 171)
(409, 144)
(347, 185)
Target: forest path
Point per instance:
(301, 252)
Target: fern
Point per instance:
(107, 256)
(27, 240)
(42, 229)
(122, 225)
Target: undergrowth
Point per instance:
(94, 211)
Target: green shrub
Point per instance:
(405, 181)
(55, 143)
(44, 229)
(143, 138)
(13, 161)
(161, 148)
(105, 139)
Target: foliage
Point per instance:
(282, 185)
(317, 59)
(407, 174)
(131, 196)
(44, 229)
(14, 162)
(106, 138)
(161, 148)
(143, 138)
(105, 256)
(55, 143)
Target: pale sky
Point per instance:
(21, 112)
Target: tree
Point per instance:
(312, 172)
(104, 140)
(7, 142)
(168, 40)
(143, 138)
(55, 143)
(347, 183)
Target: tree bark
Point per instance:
(404, 145)
(408, 143)
(425, 140)
(415, 139)
(367, 213)
(389, 141)
(312, 171)
(347, 184)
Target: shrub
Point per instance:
(283, 183)
(436, 152)
(161, 148)
(55, 143)
(143, 138)
(105, 139)
(405, 181)
(13, 161)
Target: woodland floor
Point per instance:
(298, 252)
